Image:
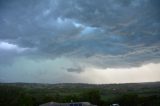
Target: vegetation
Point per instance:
(23, 94)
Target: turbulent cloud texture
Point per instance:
(90, 33)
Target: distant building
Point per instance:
(68, 104)
(115, 105)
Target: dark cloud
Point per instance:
(77, 70)
(112, 33)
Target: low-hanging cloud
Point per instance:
(78, 70)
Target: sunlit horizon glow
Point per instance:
(146, 73)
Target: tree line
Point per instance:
(18, 96)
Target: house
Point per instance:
(68, 104)
(115, 105)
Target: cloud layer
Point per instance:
(90, 33)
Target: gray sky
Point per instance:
(88, 41)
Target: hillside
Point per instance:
(33, 94)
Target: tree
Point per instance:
(129, 99)
(92, 96)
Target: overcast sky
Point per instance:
(79, 41)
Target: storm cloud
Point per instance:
(91, 33)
